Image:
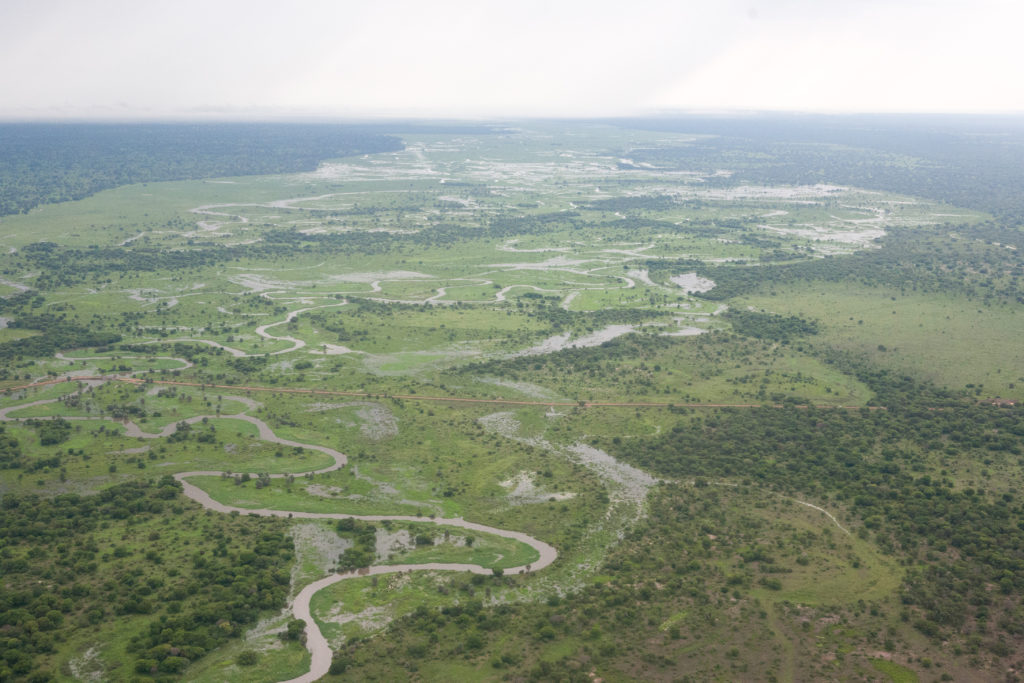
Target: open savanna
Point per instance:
(949, 340)
(534, 264)
(777, 569)
(717, 368)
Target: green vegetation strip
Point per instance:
(418, 397)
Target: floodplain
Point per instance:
(532, 408)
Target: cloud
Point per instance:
(462, 57)
(913, 57)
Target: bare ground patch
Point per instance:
(524, 490)
(375, 420)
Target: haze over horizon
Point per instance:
(460, 59)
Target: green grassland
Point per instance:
(27, 395)
(895, 672)
(332, 495)
(951, 341)
(713, 369)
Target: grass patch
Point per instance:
(323, 495)
(952, 341)
(896, 672)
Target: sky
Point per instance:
(246, 59)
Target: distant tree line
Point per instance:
(48, 163)
(976, 163)
(910, 260)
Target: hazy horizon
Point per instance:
(459, 60)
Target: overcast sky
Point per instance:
(476, 58)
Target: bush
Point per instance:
(174, 665)
(296, 627)
(338, 664)
(145, 666)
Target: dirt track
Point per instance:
(317, 645)
(420, 397)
